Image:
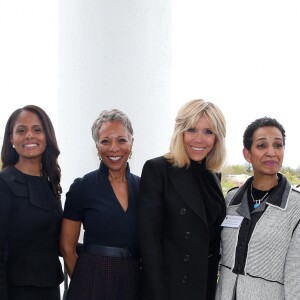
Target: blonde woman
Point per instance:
(181, 207)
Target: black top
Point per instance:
(92, 201)
(211, 196)
(248, 225)
(30, 219)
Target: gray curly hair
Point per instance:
(111, 115)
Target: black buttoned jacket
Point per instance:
(174, 235)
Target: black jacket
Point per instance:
(174, 234)
(30, 219)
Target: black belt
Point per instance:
(111, 251)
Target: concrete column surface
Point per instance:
(113, 54)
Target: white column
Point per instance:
(113, 54)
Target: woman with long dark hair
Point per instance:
(31, 212)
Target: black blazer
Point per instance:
(30, 219)
(174, 235)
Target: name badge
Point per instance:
(232, 221)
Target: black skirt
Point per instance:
(98, 277)
(33, 293)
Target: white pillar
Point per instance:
(113, 54)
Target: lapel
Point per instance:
(278, 198)
(15, 181)
(185, 185)
(18, 185)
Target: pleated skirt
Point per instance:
(98, 277)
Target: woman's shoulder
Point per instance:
(14, 180)
(158, 164)
(155, 169)
(232, 190)
(296, 189)
(9, 172)
(157, 161)
(90, 175)
(230, 193)
(135, 178)
(87, 178)
(295, 193)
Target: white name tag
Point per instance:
(232, 221)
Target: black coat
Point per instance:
(174, 235)
(30, 220)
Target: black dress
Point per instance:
(30, 219)
(92, 201)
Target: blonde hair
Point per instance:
(187, 117)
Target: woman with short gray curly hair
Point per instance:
(105, 203)
(111, 115)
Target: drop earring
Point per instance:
(100, 158)
(249, 168)
(130, 154)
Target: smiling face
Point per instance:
(28, 136)
(199, 141)
(267, 151)
(114, 145)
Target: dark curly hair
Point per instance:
(258, 123)
(50, 166)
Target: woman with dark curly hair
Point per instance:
(31, 211)
(261, 233)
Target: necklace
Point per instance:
(258, 201)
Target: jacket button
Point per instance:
(184, 279)
(182, 211)
(186, 258)
(187, 235)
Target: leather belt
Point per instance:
(111, 251)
